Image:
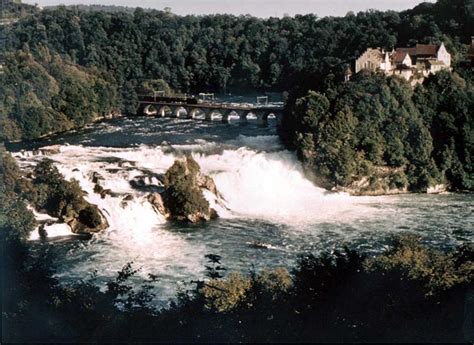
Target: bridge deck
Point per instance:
(227, 106)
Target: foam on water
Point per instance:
(254, 183)
(53, 230)
(271, 186)
(265, 198)
(134, 232)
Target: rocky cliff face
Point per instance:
(183, 198)
(384, 181)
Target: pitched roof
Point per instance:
(419, 51)
(426, 49)
(400, 55)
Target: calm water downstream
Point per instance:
(266, 199)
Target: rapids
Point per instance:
(265, 200)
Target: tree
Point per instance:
(152, 87)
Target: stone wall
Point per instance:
(371, 60)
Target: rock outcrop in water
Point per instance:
(381, 181)
(49, 192)
(88, 220)
(384, 181)
(183, 198)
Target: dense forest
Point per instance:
(377, 134)
(47, 93)
(107, 56)
(408, 293)
(382, 130)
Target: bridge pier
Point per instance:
(208, 114)
(192, 112)
(262, 118)
(225, 116)
(175, 111)
(141, 109)
(278, 116)
(162, 112)
(242, 114)
(188, 112)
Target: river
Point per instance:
(266, 200)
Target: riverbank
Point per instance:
(52, 134)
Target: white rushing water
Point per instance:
(265, 198)
(253, 183)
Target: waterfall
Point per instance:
(256, 178)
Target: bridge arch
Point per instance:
(197, 113)
(251, 115)
(262, 117)
(232, 114)
(164, 111)
(225, 112)
(213, 115)
(179, 111)
(150, 110)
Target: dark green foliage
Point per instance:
(409, 293)
(16, 221)
(44, 93)
(184, 198)
(214, 271)
(379, 126)
(446, 102)
(155, 87)
(16, 9)
(53, 194)
(10, 173)
(436, 271)
(121, 51)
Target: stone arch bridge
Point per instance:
(208, 111)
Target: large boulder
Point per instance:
(49, 192)
(89, 220)
(182, 198)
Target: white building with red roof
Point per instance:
(418, 61)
